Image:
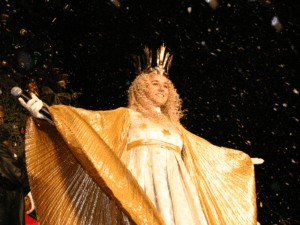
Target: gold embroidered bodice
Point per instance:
(144, 128)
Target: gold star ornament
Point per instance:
(143, 126)
(166, 132)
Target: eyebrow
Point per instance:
(158, 81)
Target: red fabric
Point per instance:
(30, 221)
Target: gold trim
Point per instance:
(153, 142)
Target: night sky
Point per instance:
(235, 66)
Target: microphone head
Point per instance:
(16, 91)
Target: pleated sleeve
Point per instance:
(224, 179)
(76, 172)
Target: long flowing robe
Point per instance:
(78, 175)
(154, 157)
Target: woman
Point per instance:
(160, 171)
(135, 165)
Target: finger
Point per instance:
(259, 161)
(22, 102)
(256, 161)
(33, 96)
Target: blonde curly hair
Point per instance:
(138, 101)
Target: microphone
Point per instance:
(17, 92)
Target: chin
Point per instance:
(157, 104)
(160, 104)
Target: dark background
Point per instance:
(235, 71)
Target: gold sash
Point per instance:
(153, 142)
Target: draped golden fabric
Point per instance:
(77, 173)
(224, 179)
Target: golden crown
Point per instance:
(163, 62)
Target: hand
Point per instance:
(257, 161)
(33, 106)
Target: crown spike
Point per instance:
(147, 60)
(163, 62)
(136, 64)
(166, 59)
(169, 64)
(157, 59)
(139, 64)
(150, 57)
(162, 54)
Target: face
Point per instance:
(158, 90)
(27, 203)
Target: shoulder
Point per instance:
(134, 114)
(121, 110)
(113, 113)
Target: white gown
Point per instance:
(162, 173)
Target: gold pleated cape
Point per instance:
(77, 173)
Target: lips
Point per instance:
(160, 95)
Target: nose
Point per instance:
(161, 88)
